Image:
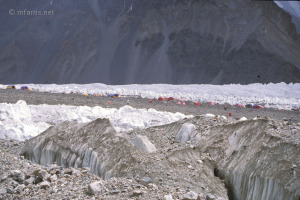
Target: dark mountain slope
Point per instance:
(148, 41)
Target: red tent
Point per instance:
(239, 105)
(255, 106)
(24, 88)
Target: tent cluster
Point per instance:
(182, 103)
(10, 87)
(114, 95)
(179, 101)
(14, 87)
(105, 95)
(24, 88)
(96, 95)
(255, 106)
(196, 103)
(165, 99)
(239, 105)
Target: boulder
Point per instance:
(17, 175)
(40, 174)
(10, 190)
(137, 193)
(190, 196)
(3, 191)
(114, 192)
(20, 188)
(68, 171)
(53, 178)
(145, 181)
(3, 178)
(210, 197)
(30, 180)
(95, 188)
(168, 197)
(44, 185)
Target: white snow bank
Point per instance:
(16, 122)
(279, 95)
(21, 121)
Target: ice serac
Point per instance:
(255, 163)
(251, 158)
(142, 41)
(185, 133)
(109, 154)
(94, 145)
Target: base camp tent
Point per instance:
(10, 87)
(256, 106)
(24, 88)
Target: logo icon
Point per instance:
(12, 12)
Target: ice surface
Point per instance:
(21, 121)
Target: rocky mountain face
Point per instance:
(148, 41)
